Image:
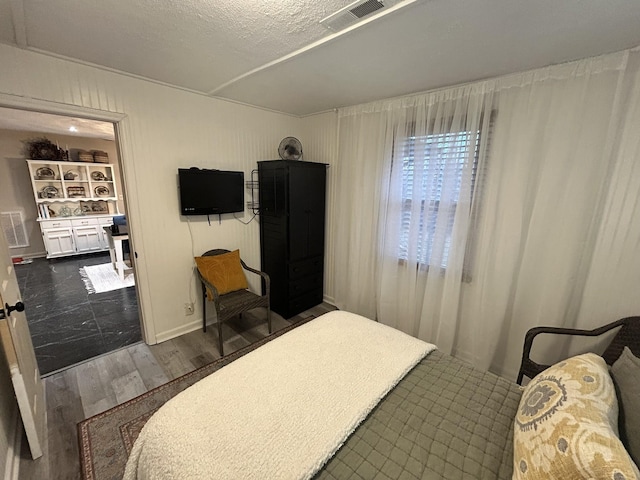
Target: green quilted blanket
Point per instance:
(444, 420)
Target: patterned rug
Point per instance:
(104, 278)
(107, 438)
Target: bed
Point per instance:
(311, 405)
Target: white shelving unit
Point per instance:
(75, 201)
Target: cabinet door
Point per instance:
(58, 241)
(272, 191)
(87, 238)
(306, 211)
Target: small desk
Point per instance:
(115, 248)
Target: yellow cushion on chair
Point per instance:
(223, 271)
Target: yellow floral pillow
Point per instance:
(223, 271)
(566, 426)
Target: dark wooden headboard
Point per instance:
(628, 335)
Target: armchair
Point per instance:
(234, 303)
(628, 335)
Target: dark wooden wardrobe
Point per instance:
(292, 218)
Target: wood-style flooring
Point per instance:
(104, 382)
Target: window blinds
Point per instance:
(432, 182)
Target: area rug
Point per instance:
(104, 278)
(107, 438)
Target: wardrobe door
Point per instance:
(272, 189)
(273, 229)
(316, 210)
(306, 211)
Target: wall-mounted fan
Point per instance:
(290, 149)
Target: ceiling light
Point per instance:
(73, 129)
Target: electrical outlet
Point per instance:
(188, 308)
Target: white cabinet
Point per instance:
(87, 235)
(75, 201)
(74, 236)
(58, 238)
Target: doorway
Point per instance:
(70, 321)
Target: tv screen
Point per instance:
(204, 192)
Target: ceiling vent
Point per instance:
(354, 12)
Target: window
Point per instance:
(433, 174)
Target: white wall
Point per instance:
(162, 130)
(16, 193)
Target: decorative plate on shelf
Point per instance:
(45, 173)
(98, 176)
(101, 191)
(49, 192)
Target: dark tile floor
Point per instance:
(69, 325)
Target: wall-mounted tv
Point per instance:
(205, 192)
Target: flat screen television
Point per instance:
(205, 192)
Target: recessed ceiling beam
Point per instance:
(315, 44)
(19, 23)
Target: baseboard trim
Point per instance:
(196, 325)
(181, 330)
(329, 300)
(12, 467)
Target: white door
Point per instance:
(17, 346)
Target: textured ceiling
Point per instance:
(195, 44)
(276, 55)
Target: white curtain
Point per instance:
(510, 183)
(363, 146)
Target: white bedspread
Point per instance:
(282, 410)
